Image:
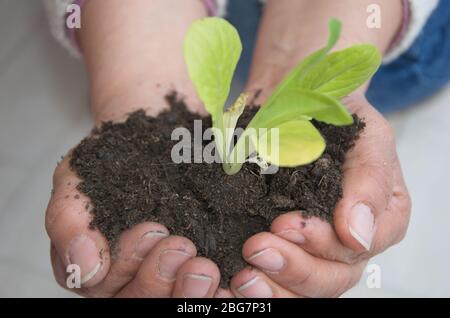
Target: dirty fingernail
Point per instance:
(84, 253)
(196, 286)
(293, 236)
(170, 261)
(147, 241)
(362, 224)
(269, 260)
(255, 288)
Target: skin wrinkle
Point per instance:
(308, 232)
(385, 146)
(399, 201)
(353, 280)
(295, 286)
(382, 188)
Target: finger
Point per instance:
(393, 222)
(319, 238)
(252, 283)
(314, 236)
(197, 278)
(133, 247)
(67, 224)
(296, 270)
(368, 180)
(157, 274)
(58, 267)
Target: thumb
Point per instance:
(368, 183)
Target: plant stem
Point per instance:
(231, 168)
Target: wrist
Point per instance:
(293, 29)
(115, 101)
(134, 54)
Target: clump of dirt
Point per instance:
(127, 172)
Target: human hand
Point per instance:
(149, 262)
(303, 257)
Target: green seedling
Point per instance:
(312, 90)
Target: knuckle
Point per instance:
(350, 279)
(400, 236)
(59, 173)
(260, 238)
(401, 232)
(301, 278)
(355, 258)
(51, 215)
(408, 205)
(55, 208)
(404, 208)
(353, 279)
(257, 242)
(178, 242)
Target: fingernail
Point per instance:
(170, 261)
(293, 236)
(255, 288)
(362, 224)
(146, 243)
(84, 253)
(269, 260)
(196, 286)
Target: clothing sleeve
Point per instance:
(415, 17)
(57, 12)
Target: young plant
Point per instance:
(312, 90)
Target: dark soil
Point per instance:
(130, 178)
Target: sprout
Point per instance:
(312, 90)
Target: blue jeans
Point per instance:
(415, 75)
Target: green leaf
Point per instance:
(342, 72)
(298, 143)
(301, 104)
(212, 48)
(297, 74)
(230, 118)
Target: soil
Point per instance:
(127, 172)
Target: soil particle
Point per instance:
(127, 172)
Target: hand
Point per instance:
(149, 263)
(303, 257)
(127, 73)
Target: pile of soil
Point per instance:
(127, 172)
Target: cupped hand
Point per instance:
(307, 257)
(149, 262)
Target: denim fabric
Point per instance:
(245, 16)
(418, 73)
(415, 75)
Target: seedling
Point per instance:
(312, 90)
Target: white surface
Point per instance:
(420, 264)
(44, 112)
